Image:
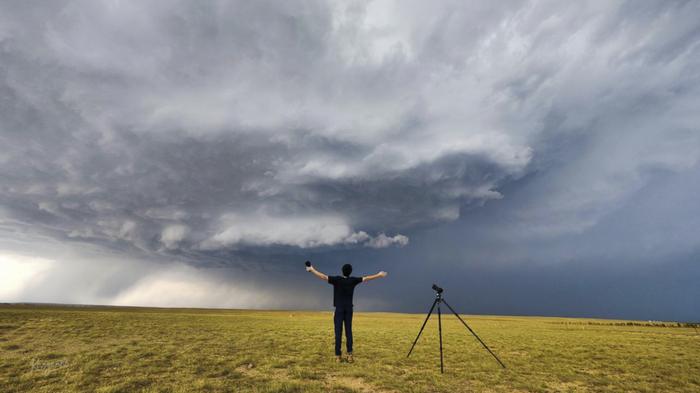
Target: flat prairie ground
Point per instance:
(114, 349)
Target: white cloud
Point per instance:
(262, 229)
(382, 241)
(173, 234)
(17, 272)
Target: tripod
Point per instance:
(438, 300)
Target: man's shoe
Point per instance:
(349, 358)
(338, 359)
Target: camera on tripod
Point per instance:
(437, 302)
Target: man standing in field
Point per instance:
(343, 289)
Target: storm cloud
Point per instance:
(247, 134)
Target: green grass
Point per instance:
(68, 349)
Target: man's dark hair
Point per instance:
(347, 269)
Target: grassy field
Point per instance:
(95, 349)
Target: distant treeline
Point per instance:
(694, 325)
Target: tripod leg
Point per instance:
(440, 332)
(422, 327)
(477, 337)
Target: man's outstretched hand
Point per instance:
(381, 274)
(315, 272)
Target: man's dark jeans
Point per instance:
(343, 314)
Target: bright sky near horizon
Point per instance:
(532, 157)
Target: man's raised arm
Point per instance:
(374, 276)
(316, 273)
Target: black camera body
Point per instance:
(437, 289)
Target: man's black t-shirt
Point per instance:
(343, 288)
